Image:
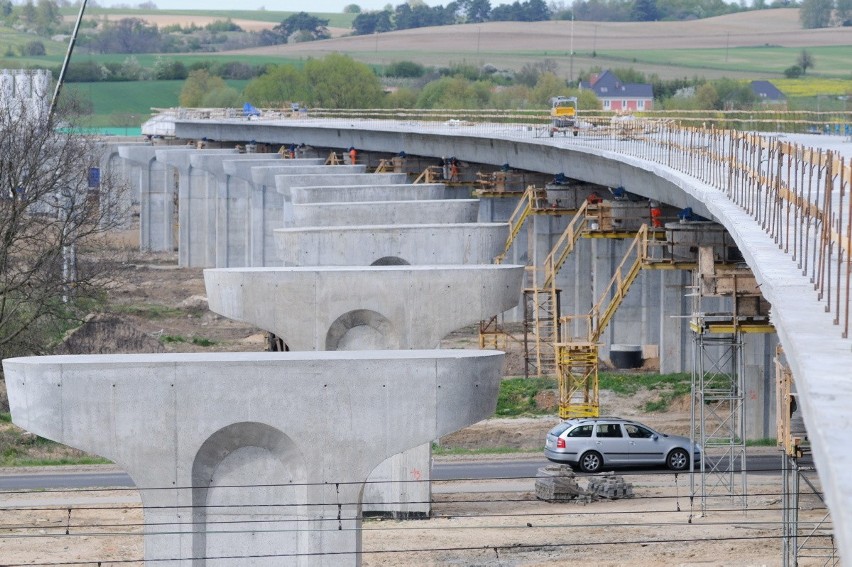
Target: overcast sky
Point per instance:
(313, 6)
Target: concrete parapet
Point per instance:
(351, 193)
(386, 212)
(417, 244)
(346, 308)
(209, 438)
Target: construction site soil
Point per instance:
(475, 523)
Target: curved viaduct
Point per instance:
(819, 357)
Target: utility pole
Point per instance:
(571, 72)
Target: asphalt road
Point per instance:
(472, 470)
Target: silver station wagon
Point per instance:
(596, 442)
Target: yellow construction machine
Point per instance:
(563, 115)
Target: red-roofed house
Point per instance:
(617, 96)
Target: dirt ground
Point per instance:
(475, 523)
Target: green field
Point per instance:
(121, 104)
(335, 20)
(830, 61)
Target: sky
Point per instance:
(312, 6)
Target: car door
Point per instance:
(612, 444)
(645, 445)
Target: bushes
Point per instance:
(33, 48)
(405, 69)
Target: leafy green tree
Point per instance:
(477, 11)
(5, 8)
(169, 70)
(226, 25)
(547, 87)
(48, 16)
(706, 97)
(366, 23)
(587, 100)
(843, 12)
(222, 97)
(455, 92)
(406, 69)
(338, 81)
(197, 85)
(352, 9)
(303, 23)
(28, 13)
(127, 35)
(733, 95)
(815, 13)
(644, 11)
(793, 72)
(279, 85)
(529, 11)
(531, 72)
(515, 96)
(402, 98)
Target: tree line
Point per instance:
(338, 81)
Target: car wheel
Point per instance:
(591, 462)
(678, 460)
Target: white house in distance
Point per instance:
(618, 96)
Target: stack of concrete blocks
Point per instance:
(438, 259)
(558, 483)
(609, 486)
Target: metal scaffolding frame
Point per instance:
(718, 420)
(811, 539)
(717, 413)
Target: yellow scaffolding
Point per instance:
(577, 355)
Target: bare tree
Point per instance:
(53, 220)
(805, 61)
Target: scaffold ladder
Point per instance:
(528, 203)
(577, 360)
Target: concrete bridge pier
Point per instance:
(119, 171)
(155, 191)
(218, 437)
(194, 214)
(227, 208)
(264, 205)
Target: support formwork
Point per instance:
(718, 417)
(806, 523)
